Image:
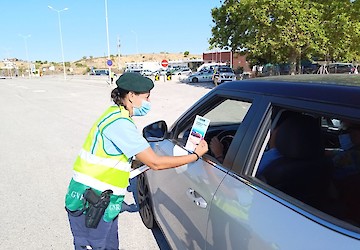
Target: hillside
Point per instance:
(83, 66)
(101, 62)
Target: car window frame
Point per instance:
(294, 104)
(260, 126)
(188, 117)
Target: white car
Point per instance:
(160, 72)
(184, 71)
(146, 72)
(223, 74)
(203, 76)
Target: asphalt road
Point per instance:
(44, 122)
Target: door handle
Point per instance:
(196, 198)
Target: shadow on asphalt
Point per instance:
(206, 85)
(158, 235)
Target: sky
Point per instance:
(30, 29)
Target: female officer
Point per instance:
(104, 162)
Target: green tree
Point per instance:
(284, 31)
(186, 53)
(341, 23)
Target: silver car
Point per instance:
(203, 76)
(146, 72)
(299, 200)
(183, 71)
(223, 74)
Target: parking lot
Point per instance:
(44, 123)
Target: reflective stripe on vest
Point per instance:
(96, 168)
(94, 183)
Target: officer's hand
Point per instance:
(202, 148)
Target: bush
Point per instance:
(239, 70)
(80, 65)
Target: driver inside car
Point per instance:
(217, 148)
(272, 153)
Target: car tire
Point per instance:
(194, 80)
(144, 201)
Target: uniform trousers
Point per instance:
(104, 237)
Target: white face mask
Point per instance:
(345, 141)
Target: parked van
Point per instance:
(134, 70)
(99, 72)
(209, 66)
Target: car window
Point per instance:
(225, 70)
(306, 157)
(225, 117)
(227, 112)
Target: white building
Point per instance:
(9, 69)
(154, 66)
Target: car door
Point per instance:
(205, 76)
(182, 196)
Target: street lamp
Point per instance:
(107, 37)
(26, 49)
(61, 41)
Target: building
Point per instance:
(234, 60)
(9, 68)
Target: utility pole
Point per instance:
(27, 53)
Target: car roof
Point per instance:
(337, 89)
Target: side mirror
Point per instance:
(156, 131)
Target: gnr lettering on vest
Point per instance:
(116, 207)
(77, 195)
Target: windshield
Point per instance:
(225, 70)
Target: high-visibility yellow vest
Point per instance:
(97, 168)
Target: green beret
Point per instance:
(135, 82)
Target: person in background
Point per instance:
(112, 76)
(101, 170)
